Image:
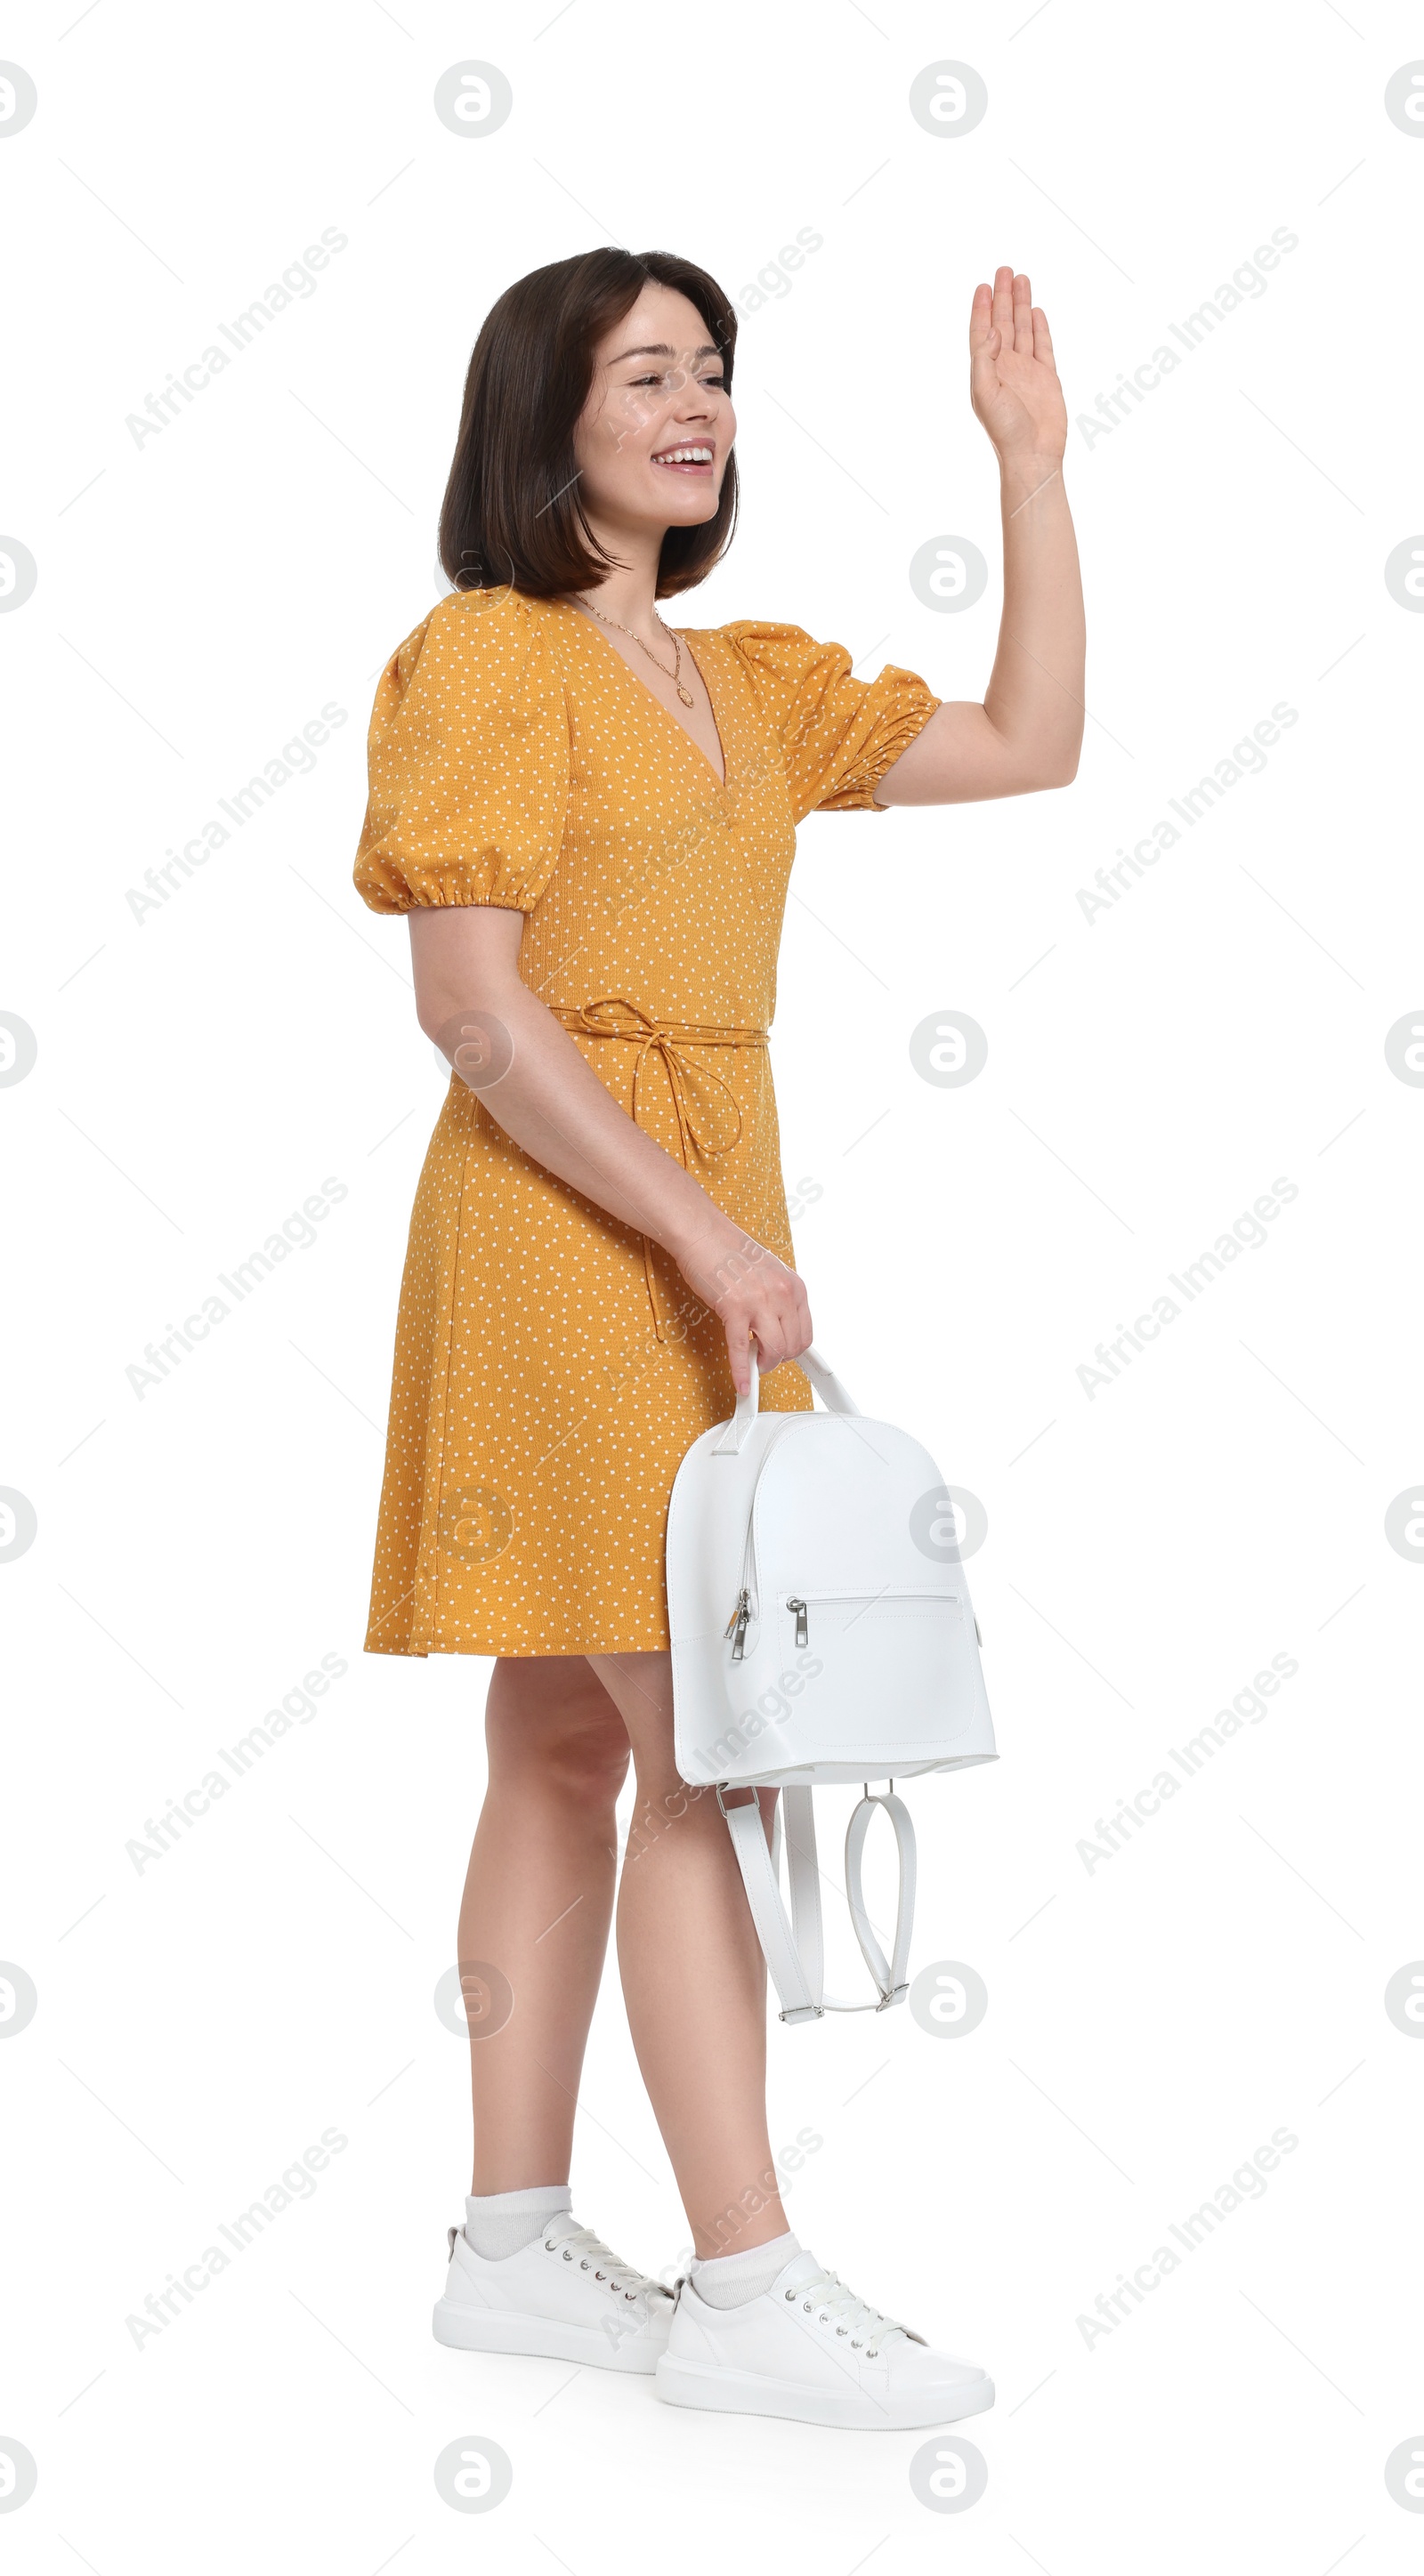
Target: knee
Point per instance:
(589, 1765)
(556, 1730)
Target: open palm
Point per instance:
(1013, 382)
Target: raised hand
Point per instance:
(1013, 383)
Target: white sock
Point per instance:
(498, 2223)
(729, 2280)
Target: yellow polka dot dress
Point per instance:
(552, 1367)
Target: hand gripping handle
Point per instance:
(825, 1381)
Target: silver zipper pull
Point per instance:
(736, 1627)
(803, 1634)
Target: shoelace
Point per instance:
(828, 2297)
(580, 2245)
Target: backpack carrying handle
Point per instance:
(825, 1381)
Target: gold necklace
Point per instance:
(675, 674)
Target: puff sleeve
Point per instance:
(469, 762)
(839, 734)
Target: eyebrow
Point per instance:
(660, 349)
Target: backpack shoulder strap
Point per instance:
(889, 1974)
(793, 1947)
(778, 1940)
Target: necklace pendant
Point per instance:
(684, 694)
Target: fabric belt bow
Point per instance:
(616, 1017)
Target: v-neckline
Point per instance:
(656, 703)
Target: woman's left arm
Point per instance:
(1028, 732)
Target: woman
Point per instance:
(590, 819)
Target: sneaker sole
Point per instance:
(466, 2329)
(742, 2392)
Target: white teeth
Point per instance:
(684, 456)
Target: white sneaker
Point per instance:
(564, 2295)
(809, 2348)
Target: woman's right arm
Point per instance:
(536, 1085)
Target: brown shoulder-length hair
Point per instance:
(512, 512)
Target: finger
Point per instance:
(984, 344)
(983, 365)
(1042, 341)
(738, 1352)
(1003, 305)
(792, 1325)
(984, 369)
(795, 1330)
(770, 1339)
(1023, 316)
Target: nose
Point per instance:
(689, 391)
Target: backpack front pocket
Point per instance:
(837, 1671)
(820, 1619)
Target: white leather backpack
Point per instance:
(821, 1631)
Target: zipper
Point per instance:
(799, 1606)
(736, 1627)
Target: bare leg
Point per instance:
(693, 1977)
(537, 1905)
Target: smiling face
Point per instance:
(656, 432)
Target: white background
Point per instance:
(202, 1069)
